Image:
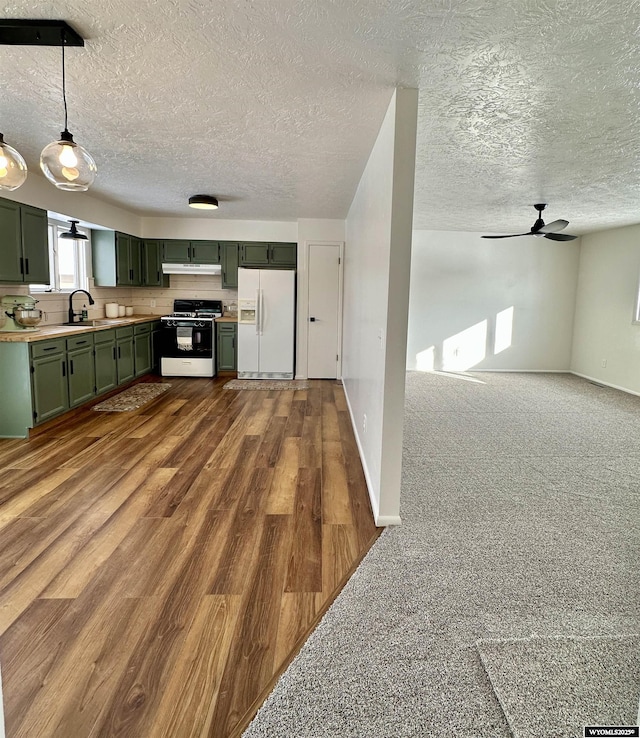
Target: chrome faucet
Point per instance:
(72, 314)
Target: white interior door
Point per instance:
(324, 311)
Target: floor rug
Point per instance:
(267, 384)
(556, 686)
(132, 398)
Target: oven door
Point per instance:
(184, 339)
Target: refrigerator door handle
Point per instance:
(261, 311)
(258, 313)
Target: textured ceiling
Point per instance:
(273, 105)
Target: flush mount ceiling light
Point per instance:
(203, 202)
(65, 163)
(74, 233)
(13, 168)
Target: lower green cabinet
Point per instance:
(226, 347)
(49, 385)
(124, 348)
(142, 360)
(80, 369)
(105, 352)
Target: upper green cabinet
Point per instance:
(152, 264)
(191, 252)
(117, 259)
(275, 255)
(229, 261)
(24, 250)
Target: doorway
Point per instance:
(324, 310)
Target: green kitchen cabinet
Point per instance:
(124, 351)
(116, 259)
(24, 249)
(176, 252)
(152, 275)
(283, 255)
(50, 391)
(229, 262)
(191, 252)
(142, 349)
(226, 342)
(81, 372)
(205, 252)
(254, 254)
(268, 255)
(106, 361)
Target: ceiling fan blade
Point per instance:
(556, 225)
(511, 235)
(559, 236)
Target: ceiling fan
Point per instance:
(541, 230)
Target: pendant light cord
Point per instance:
(64, 86)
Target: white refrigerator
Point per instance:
(266, 323)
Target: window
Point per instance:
(67, 260)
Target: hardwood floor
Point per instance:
(159, 568)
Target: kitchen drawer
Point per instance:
(78, 342)
(226, 327)
(104, 336)
(124, 332)
(48, 348)
(141, 328)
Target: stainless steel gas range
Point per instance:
(188, 339)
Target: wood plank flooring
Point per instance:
(160, 568)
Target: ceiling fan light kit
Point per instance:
(13, 167)
(203, 202)
(66, 164)
(542, 230)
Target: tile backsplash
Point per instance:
(144, 300)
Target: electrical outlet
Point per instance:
(153, 303)
(364, 423)
(604, 363)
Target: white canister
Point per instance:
(111, 309)
(122, 311)
(128, 311)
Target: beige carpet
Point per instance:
(267, 384)
(132, 398)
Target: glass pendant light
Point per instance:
(13, 168)
(65, 163)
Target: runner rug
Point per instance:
(132, 398)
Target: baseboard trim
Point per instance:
(381, 521)
(595, 380)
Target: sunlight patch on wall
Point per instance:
(465, 349)
(504, 330)
(425, 360)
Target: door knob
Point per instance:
(312, 320)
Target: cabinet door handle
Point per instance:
(119, 352)
(64, 369)
(71, 366)
(131, 274)
(50, 348)
(114, 353)
(21, 265)
(81, 342)
(26, 266)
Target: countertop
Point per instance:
(45, 332)
(62, 331)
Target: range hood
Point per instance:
(191, 269)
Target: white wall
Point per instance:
(220, 229)
(376, 288)
(479, 304)
(607, 291)
(83, 206)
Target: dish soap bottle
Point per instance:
(85, 313)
